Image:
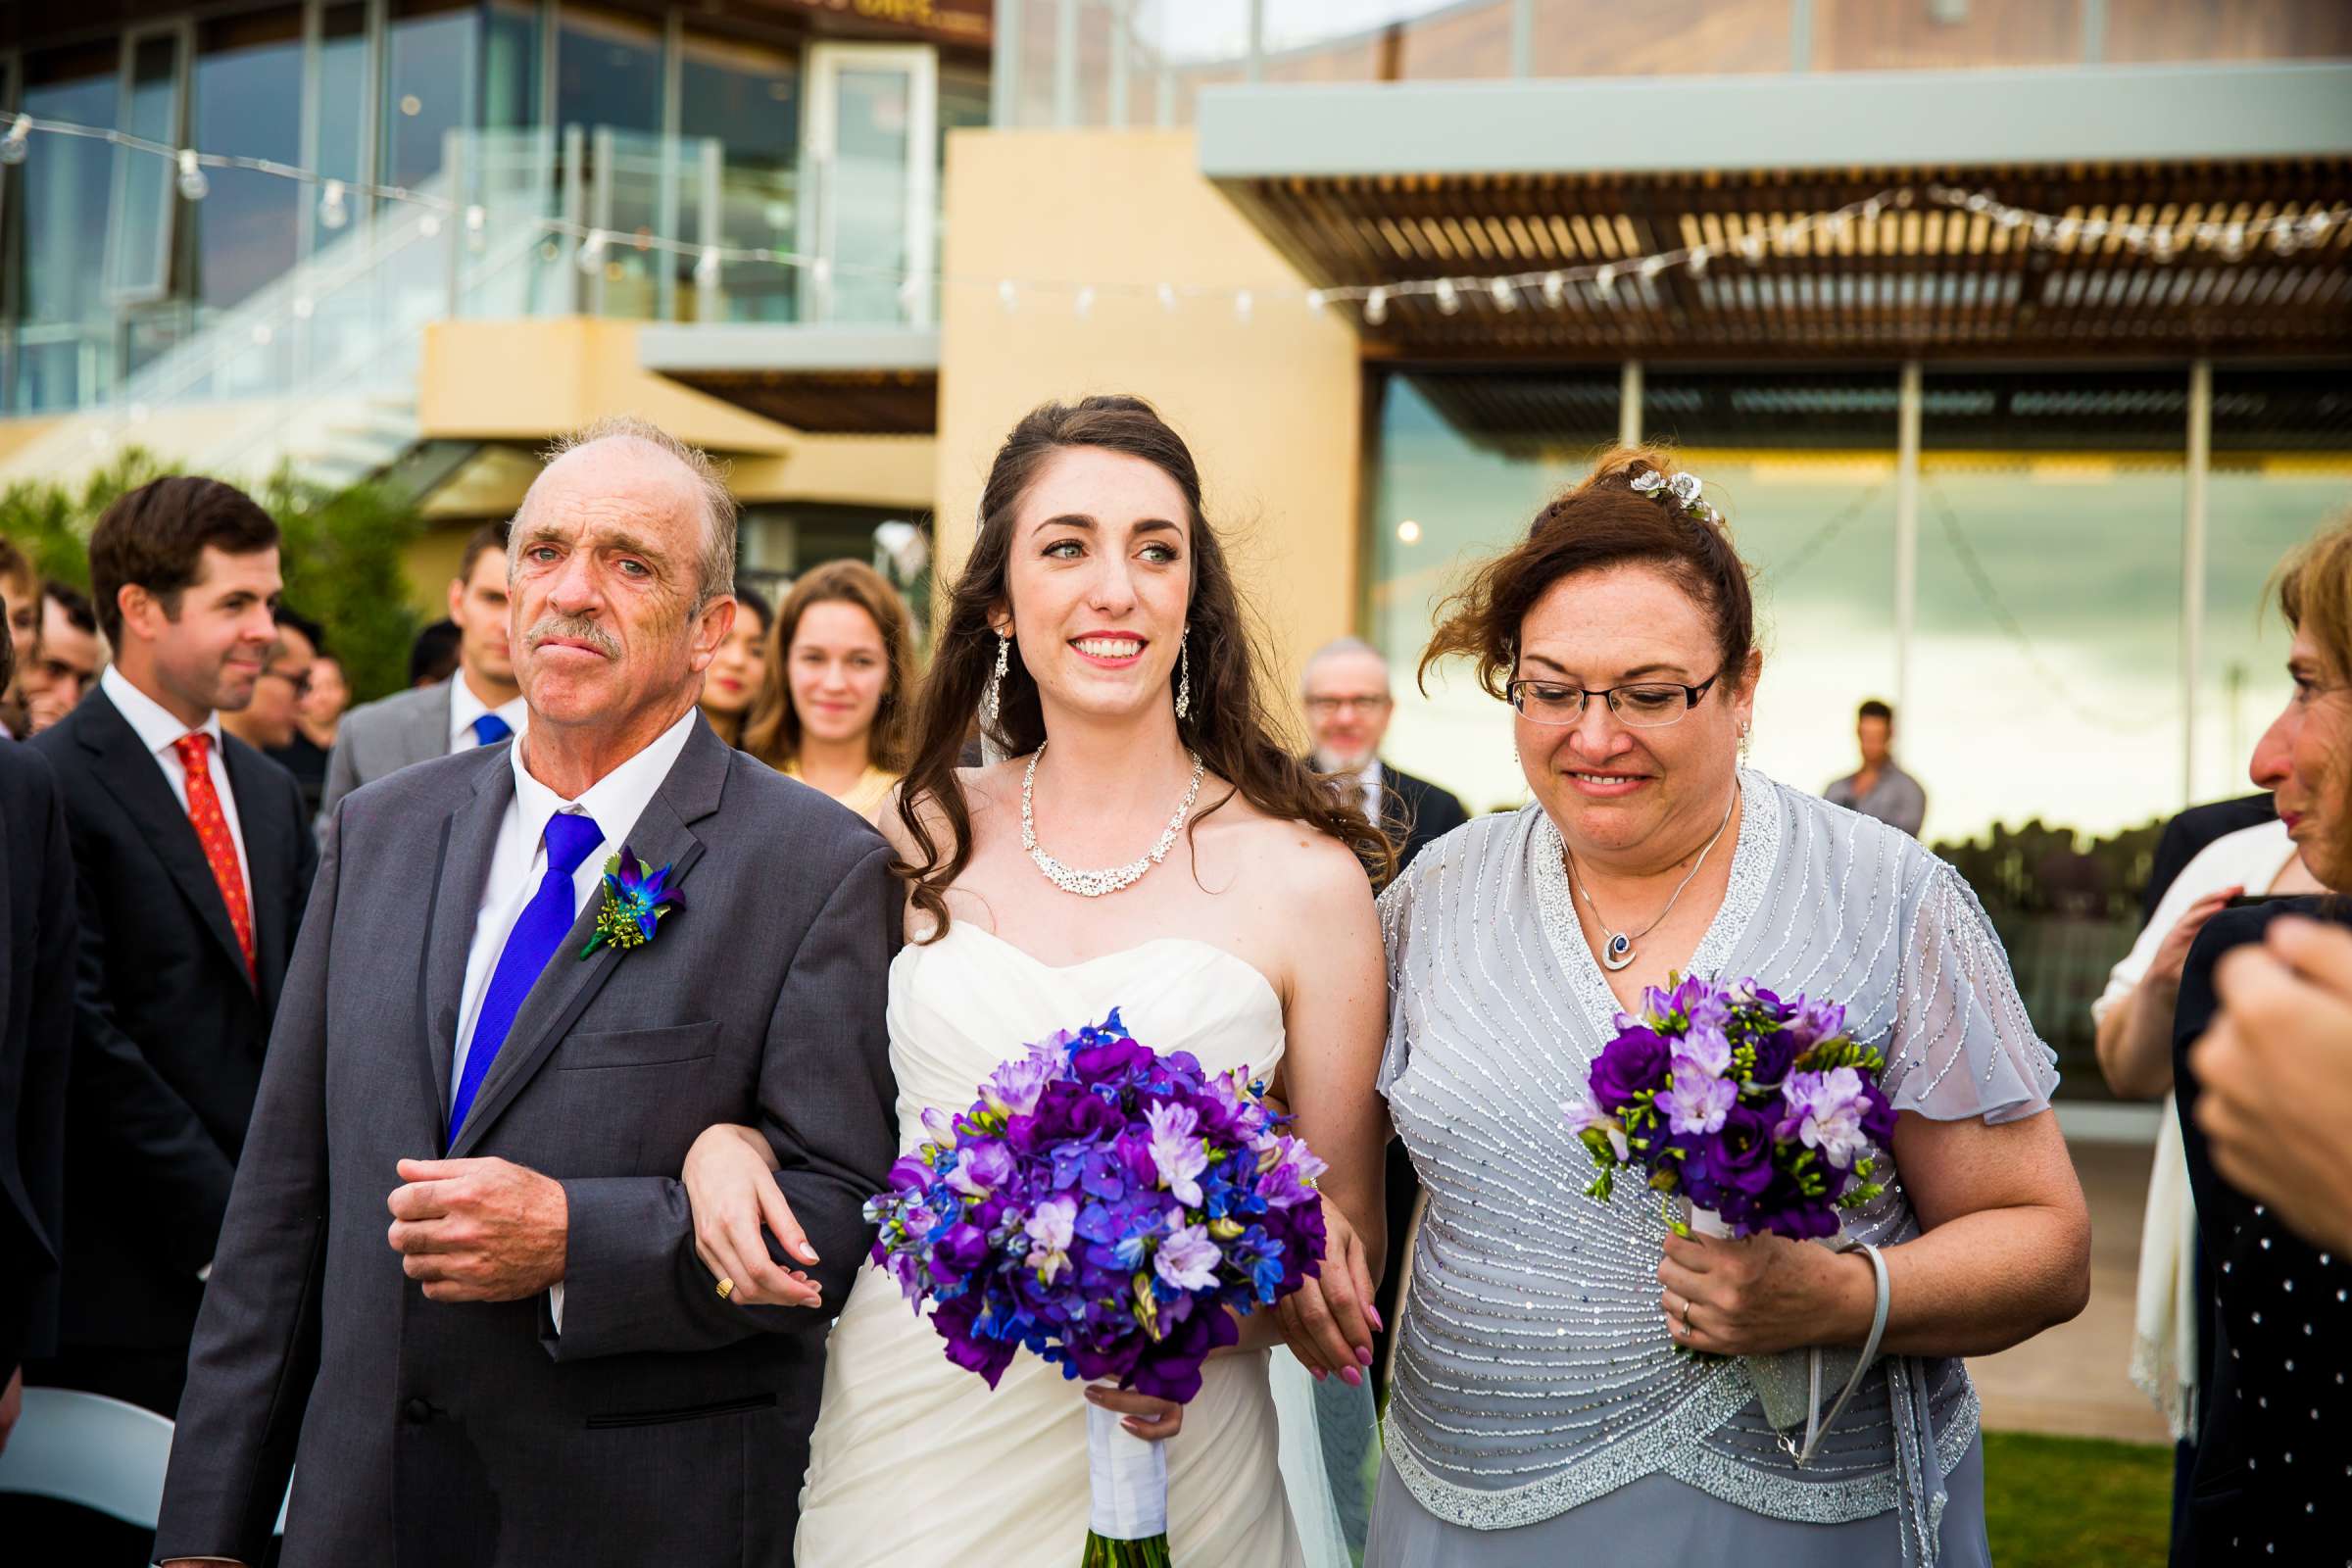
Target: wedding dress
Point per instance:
(915, 1459)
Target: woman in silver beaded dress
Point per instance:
(1538, 1413)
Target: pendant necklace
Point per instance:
(1095, 884)
(1618, 952)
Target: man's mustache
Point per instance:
(573, 628)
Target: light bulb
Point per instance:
(1652, 266)
(821, 271)
(911, 293)
(590, 257)
(332, 212)
(17, 142)
(1698, 262)
(1315, 300)
(429, 226)
(1008, 298)
(1167, 298)
(1605, 281)
(1449, 298)
(1376, 307)
(1556, 289)
(707, 270)
(477, 223)
(1084, 304)
(193, 184)
(1505, 297)
(1242, 304)
(305, 307)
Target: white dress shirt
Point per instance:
(465, 708)
(159, 731)
(518, 862)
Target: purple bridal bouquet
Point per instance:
(1111, 1211)
(1763, 1114)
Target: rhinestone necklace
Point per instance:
(1095, 884)
(1618, 952)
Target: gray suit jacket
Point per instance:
(383, 737)
(661, 1425)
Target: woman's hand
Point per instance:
(1328, 1321)
(1147, 1417)
(1763, 1293)
(2172, 955)
(731, 1181)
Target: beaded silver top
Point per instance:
(1534, 1371)
(1096, 884)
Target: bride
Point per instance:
(1098, 629)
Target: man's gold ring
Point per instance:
(727, 1288)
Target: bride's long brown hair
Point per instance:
(1227, 724)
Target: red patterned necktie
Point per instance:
(211, 831)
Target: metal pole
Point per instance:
(1906, 535)
(1120, 44)
(1629, 404)
(1255, 70)
(453, 233)
(669, 170)
(575, 152)
(1801, 35)
(2094, 31)
(1523, 38)
(1005, 66)
(1065, 66)
(2192, 564)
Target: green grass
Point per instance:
(2059, 1503)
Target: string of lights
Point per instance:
(2285, 228)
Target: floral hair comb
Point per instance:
(1683, 489)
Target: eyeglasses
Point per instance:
(301, 683)
(1329, 706)
(1644, 705)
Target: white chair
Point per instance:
(92, 1452)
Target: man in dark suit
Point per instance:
(2189, 832)
(537, 1368)
(192, 856)
(479, 705)
(1348, 703)
(37, 1039)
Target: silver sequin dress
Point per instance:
(1538, 1412)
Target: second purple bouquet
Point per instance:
(1763, 1112)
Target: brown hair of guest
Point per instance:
(1600, 523)
(156, 536)
(2315, 591)
(774, 732)
(1228, 723)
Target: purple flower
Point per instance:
(1583, 1115)
(1188, 1259)
(986, 1167)
(1014, 1086)
(1049, 1232)
(1176, 1153)
(1706, 1044)
(1635, 1061)
(1738, 1158)
(1825, 1113)
(1776, 1053)
(1696, 1102)
(1289, 1174)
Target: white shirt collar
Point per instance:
(465, 708)
(155, 724)
(615, 801)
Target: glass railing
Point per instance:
(1140, 63)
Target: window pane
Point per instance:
(58, 234)
(2281, 470)
(248, 97)
(430, 72)
(748, 99)
(1462, 462)
(511, 66)
(140, 225)
(608, 72)
(342, 89)
(868, 192)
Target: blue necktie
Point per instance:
(537, 936)
(490, 727)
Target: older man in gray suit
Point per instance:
(537, 1369)
(482, 704)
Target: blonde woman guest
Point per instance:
(840, 671)
(732, 685)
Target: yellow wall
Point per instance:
(1272, 409)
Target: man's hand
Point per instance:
(11, 1405)
(2276, 1068)
(478, 1230)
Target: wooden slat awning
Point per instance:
(829, 402)
(1918, 278)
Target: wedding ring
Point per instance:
(727, 1288)
(1686, 1316)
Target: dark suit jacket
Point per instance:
(2185, 835)
(169, 1026)
(1416, 812)
(37, 1041)
(2280, 1400)
(661, 1425)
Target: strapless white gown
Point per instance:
(915, 1461)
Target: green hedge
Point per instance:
(341, 558)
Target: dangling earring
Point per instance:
(992, 701)
(1744, 740)
(1183, 675)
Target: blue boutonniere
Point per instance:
(636, 897)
